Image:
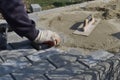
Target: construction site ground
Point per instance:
(96, 57)
(66, 20)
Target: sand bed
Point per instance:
(105, 36)
(67, 22)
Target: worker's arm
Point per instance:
(15, 14)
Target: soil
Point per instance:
(106, 36)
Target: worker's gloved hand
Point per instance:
(48, 37)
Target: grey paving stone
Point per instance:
(95, 57)
(82, 77)
(101, 55)
(88, 62)
(13, 64)
(60, 60)
(13, 37)
(6, 77)
(21, 45)
(75, 51)
(34, 72)
(22, 76)
(16, 42)
(17, 53)
(114, 69)
(116, 74)
(102, 68)
(36, 7)
(1, 60)
(86, 75)
(66, 72)
(38, 56)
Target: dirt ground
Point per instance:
(106, 35)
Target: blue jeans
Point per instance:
(16, 16)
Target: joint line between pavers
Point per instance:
(12, 76)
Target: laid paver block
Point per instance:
(60, 60)
(6, 77)
(23, 76)
(101, 55)
(17, 53)
(114, 70)
(34, 72)
(40, 55)
(1, 60)
(95, 57)
(13, 37)
(75, 52)
(13, 64)
(21, 45)
(16, 42)
(66, 72)
(87, 75)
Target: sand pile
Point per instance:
(108, 11)
(105, 36)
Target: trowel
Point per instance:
(87, 26)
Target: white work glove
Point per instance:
(48, 37)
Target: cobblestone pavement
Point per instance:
(22, 62)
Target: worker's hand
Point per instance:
(48, 37)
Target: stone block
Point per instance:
(42, 55)
(22, 76)
(93, 58)
(34, 72)
(6, 77)
(75, 52)
(17, 53)
(13, 64)
(36, 8)
(87, 75)
(1, 60)
(66, 72)
(60, 60)
(101, 55)
(16, 42)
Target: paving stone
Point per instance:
(34, 72)
(16, 42)
(13, 64)
(23, 76)
(1, 60)
(82, 77)
(66, 72)
(95, 57)
(36, 7)
(116, 73)
(17, 53)
(3, 41)
(88, 62)
(101, 55)
(60, 60)
(114, 69)
(86, 75)
(21, 45)
(38, 56)
(6, 77)
(75, 52)
(13, 37)
(102, 68)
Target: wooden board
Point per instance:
(91, 27)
